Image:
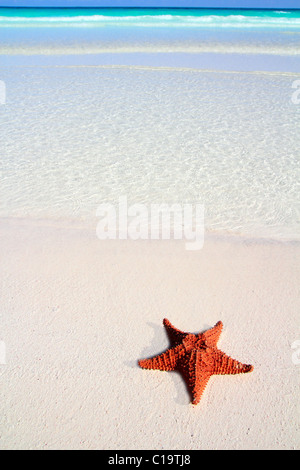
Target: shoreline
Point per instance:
(88, 227)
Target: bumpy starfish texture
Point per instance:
(197, 357)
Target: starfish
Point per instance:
(196, 356)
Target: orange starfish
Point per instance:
(196, 357)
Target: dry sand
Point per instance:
(77, 313)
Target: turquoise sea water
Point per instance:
(234, 18)
(147, 17)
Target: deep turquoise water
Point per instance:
(232, 18)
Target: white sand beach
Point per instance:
(77, 313)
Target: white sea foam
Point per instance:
(169, 20)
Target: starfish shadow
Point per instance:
(159, 335)
(183, 394)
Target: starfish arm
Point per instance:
(175, 336)
(212, 336)
(196, 368)
(202, 376)
(224, 364)
(165, 361)
(200, 385)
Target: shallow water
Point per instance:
(199, 109)
(75, 137)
